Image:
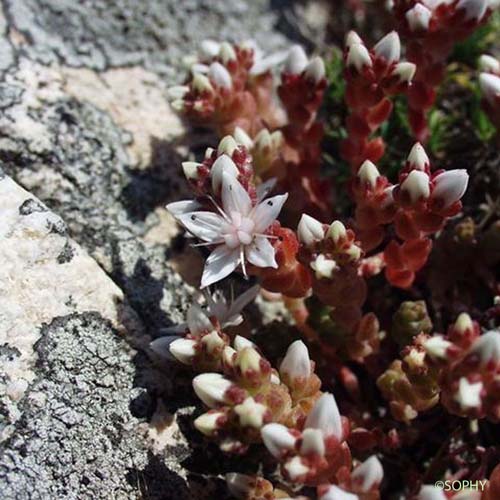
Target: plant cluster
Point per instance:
(356, 283)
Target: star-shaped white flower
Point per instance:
(237, 230)
(251, 413)
(323, 267)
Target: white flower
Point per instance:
(450, 186)
(325, 416)
(490, 86)
(309, 230)
(437, 346)
(389, 47)
(468, 395)
(296, 363)
(323, 267)
(237, 231)
(368, 474)
(418, 17)
(358, 56)
(250, 413)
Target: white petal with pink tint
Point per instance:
(450, 186)
(369, 474)
(326, 417)
(278, 439)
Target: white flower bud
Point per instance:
(368, 173)
(211, 388)
(358, 56)
(227, 145)
(474, 9)
(296, 363)
(277, 439)
(220, 75)
(197, 320)
(463, 323)
(437, 346)
(468, 395)
(201, 83)
(310, 230)
(207, 423)
(263, 140)
(177, 92)
(351, 38)
(209, 48)
(416, 185)
(222, 164)
(335, 493)
(336, 231)
(312, 442)
(418, 17)
(241, 137)
(369, 474)
(450, 186)
(490, 87)
(315, 70)
(190, 169)
(227, 53)
(183, 350)
(389, 47)
(405, 71)
(296, 61)
(325, 416)
(418, 158)
(212, 342)
(241, 342)
(487, 347)
(489, 64)
(323, 267)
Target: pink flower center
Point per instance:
(239, 231)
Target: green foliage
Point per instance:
(468, 51)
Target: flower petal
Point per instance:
(260, 253)
(233, 316)
(181, 207)
(204, 225)
(265, 187)
(234, 196)
(220, 263)
(265, 213)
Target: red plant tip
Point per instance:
(490, 87)
(468, 394)
(278, 439)
(358, 56)
(416, 185)
(405, 71)
(436, 347)
(487, 348)
(418, 17)
(325, 416)
(368, 475)
(296, 363)
(474, 9)
(219, 75)
(310, 230)
(418, 159)
(368, 174)
(351, 38)
(489, 64)
(315, 70)
(389, 47)
(296, 61)
(450, 186)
